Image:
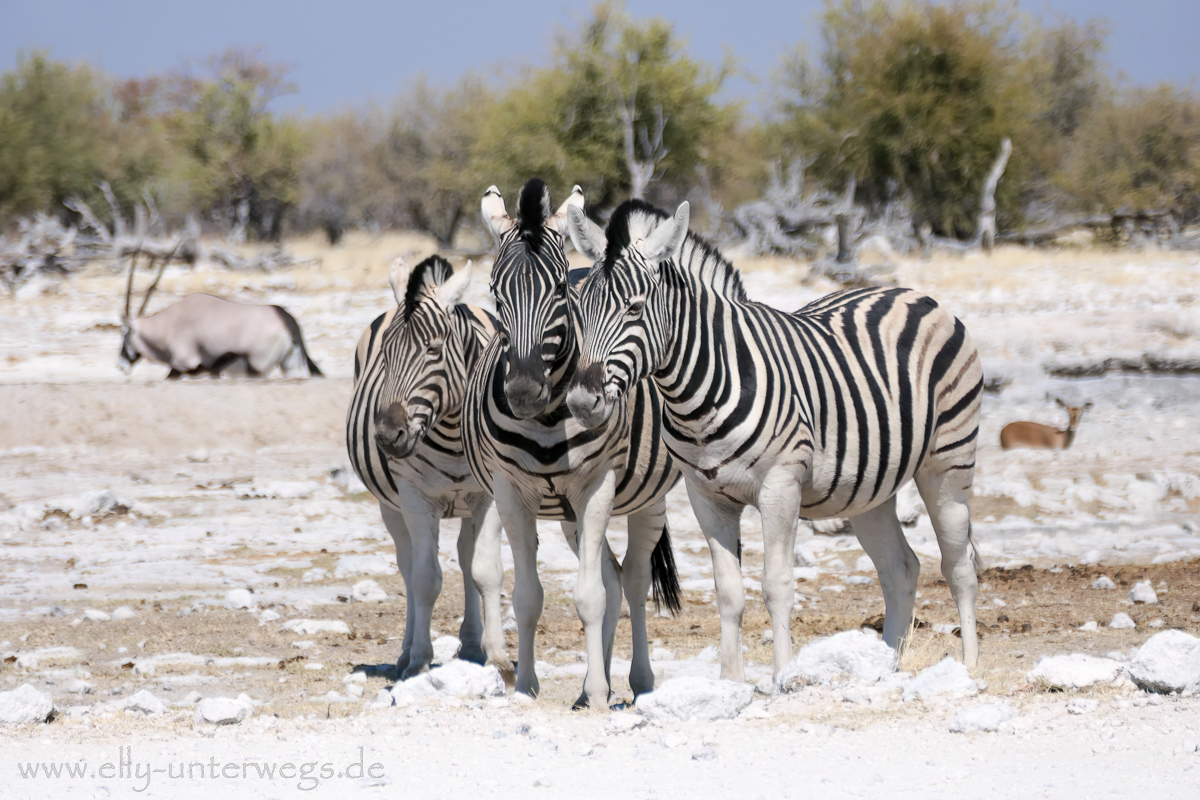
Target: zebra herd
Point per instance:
(594, 390)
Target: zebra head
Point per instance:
(624, 320)
(424, 362)
(529, 285)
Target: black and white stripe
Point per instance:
(824, 412)
(524, 447)
(404, 437)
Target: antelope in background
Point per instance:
(206, 335)
(1036, 436)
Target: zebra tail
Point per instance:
(664, 577)
(294, 328)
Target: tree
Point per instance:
(912, 99)
(340, 184)
(242, 160)
(54, 123)
(621, 107)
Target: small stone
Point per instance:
(947, 679)
(144, 703)
(24, 704)
(1089, 626)
(1167, 662)
(624, 721)
(768, 636)
(1157, 623)
(314, 666)
(368, 591)
(1121, 620)
(1075, 671)
(95, 615)
(314, 575)
(270, 615)
(860, 580)
(1143, 593)
(662, 654)
(80, 687)
(696, 698)
(239, 599)
(221, 711)
(1103, 582)
(988, 717)
(123, 612)
(847, 656)
(310, 627)
(1083, 705)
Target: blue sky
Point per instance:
(354, 51)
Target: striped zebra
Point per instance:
(537, 462)
(403, 436)
(820, 413)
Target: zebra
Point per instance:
(823, 412)
(537, 462)
(403, 437)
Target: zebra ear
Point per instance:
(452, 291)
(665, 242)
(494, 216)
(561, 219)
(398, 279)
(585, 234)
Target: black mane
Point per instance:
(532, 210)
(617, 233)
(433, 271)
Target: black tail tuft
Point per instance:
(664, 578)
(294, 327)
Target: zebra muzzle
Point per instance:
(392, 432)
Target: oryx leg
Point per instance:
(721, 523)
(520, 523)
(779, 507)
(470, 633)
(945, 495)
(645, 529)
(881, 536)
(394, 522)
(592, 601)
(426, 583)
(487, 572)
(611, 577)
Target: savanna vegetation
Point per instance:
(904, 102)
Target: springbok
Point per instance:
(206, 335)
(1036, 436)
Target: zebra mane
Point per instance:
(533, 208)
(426, 276)
(701, 262)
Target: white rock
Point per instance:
(270, 615)
(1089, 626)
(1083, 705)
(988, 717)
(846, 656)
(445, 648)
(662, 654)
(368, 591)
(315, 574)
(833, 587)
(697, 698)
(144, 703)
(1122, 620)
(314, 666)
(24, 704)
(123, 612)
(1168, 662)
(304, 644)
(240, 598)
(624, 721)
(465, 679)
(864, 564)
(193, 697)
(221, 711)
(947, 679)
(1103, 582)
(383, 699)
(860, 580)
(1076, 671)
(95, 615)
(1158, 622)
(1143, 593)
(364, 565)
(80, 686)
(311, 627)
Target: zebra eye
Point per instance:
(434, 349)
(560, 291)
(635, 308)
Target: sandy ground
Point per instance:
(163, 497)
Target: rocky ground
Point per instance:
(175, 538)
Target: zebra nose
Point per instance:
(391, 429)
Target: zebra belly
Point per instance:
(443, 482)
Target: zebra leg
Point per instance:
(592, 598)
(779, 507)
(880, 535)
(612, 610)
(721, 523)
(487, 571)
(394, 522)
(945, 497)
(424, 589)
(470, 634)
(520, 523)
(645, 529)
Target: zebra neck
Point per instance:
(563, 370)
